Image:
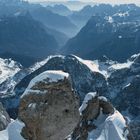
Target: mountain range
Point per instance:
(67, 74)
(111, 33)
(23, 36)
(119, 82)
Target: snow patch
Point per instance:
(121, 65)
(88, 97)
(47, 76)
(122, 14)
(103, 67)
(17, 14)
(109, 127)
(90, 64)
(119, 36)
(8, 68)
(109, 19)
(135, 55)
(12, 132)
(43, 62)
(103, 98)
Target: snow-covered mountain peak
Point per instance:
(8, 68)
(135, 57)
(39, 64)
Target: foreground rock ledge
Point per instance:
(49, 107)
(100, 121)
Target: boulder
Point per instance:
(49, 107)
(100, 120)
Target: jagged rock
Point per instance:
(4, 118)
(135, 129)
(87, 110)
(128, 101)
(105, 123)
(106, 106)
(8, 69)
(120, 86)
(129, 97)
(49, 107)
(83, 79)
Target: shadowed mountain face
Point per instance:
(55, 21)
(111, 31)
(105, 35)
(60, 9)
(117, 81)
(17, 8)
(22, 36)
(60, 37)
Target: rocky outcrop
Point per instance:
(124, 85)
(99, 120)
(83, 79)
(135, 128)
(49, 107)
(118, 82)
(8, 69)
(4, 118)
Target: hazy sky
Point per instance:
(99, 1)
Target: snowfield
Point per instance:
(88, 97)
(13, 131)
(47, 76)
(110, 127)
(37, 65)
(8, 68)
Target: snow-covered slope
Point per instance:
(11, 73)
(117, 81)
(8, 68)
(47, 77)
(88, 97)
(100, 120)
(110, 127)
(12, 132)
(8, 71)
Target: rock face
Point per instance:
(49, 107)
(40, 39)
(124, 84)
(135, 128)
(99, 120)
(106, 33)
(4, 118)
(118, 82)
(8, 69)
(84, 79)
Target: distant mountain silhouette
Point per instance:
(60, 9)
(55, 21)
(60, 37)
(81, 17)
(23, 36)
